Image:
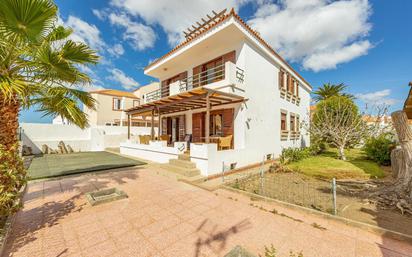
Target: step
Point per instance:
(182, 163)
(188, 172)
(184, 157)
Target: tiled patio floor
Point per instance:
(163, 217)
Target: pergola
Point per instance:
(407, 107)
(196, 98)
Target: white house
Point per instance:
(224, 82)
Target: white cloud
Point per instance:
(85, 32)
(173, 16)
(318, 33)
(100, 14)
(117, 50)
(329, 59)
(377, 97)
(125, 81)
(139, 35)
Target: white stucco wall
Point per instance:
(95, 138)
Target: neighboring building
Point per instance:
(224, 82)
(111, 106)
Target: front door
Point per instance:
(175, 127)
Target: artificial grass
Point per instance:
(327, 165)
(53, 165)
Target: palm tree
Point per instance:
(328, 90)
(39, 66)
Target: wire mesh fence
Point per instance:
(291, 187)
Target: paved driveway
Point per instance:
(163, 217)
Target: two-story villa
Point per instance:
(111, 105)
(226, 100)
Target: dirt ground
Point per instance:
(352, 198)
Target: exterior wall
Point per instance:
(143, 90)
(104, 112)
(95, 138)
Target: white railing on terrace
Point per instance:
(203, 78)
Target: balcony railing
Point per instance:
(209, 76)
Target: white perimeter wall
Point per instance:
(91, 139)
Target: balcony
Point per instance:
(223, 77)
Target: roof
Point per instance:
(114, 92)
(407, 107)
(223, 18)
(188, 100)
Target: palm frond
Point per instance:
(78, 53)
(58, 33)
(28, 19)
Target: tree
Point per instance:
(338, 121)
(329, 90)
(39, 66)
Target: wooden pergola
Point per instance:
(196, 98)
(407, 107)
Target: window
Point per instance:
(281, 79)
(297, 123)
(292, 122)
(136, 103)
(216, 124)
(117, 104)
(283, 121)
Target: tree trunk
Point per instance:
(9, 112)
(342, 153)
(404, 170)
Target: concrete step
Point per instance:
(184, 157)
(188, 172)
(182, 163)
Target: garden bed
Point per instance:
(352, 200)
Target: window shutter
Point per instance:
(281, 80)
(228, 123)
(197, 127)
(297, 88)
(196, 76)
(229, 57)
(164, 89)
(164, 126)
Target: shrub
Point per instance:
(12, 178)
(294, 154)
(379, 148)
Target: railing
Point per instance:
(203, 78)
(153, 96)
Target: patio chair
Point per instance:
(225, 142)
(144, 139)
(165, 138)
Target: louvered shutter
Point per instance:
(197, 127)
(182, 127)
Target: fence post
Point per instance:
(262, 174)
(334, 196)
(223, 171)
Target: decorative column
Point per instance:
(207, 121)
(128, 126)
(152, 130)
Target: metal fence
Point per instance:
(290, 187)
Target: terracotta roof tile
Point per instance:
(232, 13)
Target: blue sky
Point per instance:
(364, 44)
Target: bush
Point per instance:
(294, 154)
(12, 178)
(379, 149)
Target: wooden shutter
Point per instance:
(281, 79)
(164, 89)
(228, 123)
(182, 127)
(196, 76)
(198, 127)
(297, 88)
(164, 126)
(229, 57)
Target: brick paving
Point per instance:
(163, 217)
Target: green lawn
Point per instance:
(327, 165)
(52, 165)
